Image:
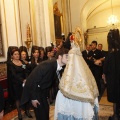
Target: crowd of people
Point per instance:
(65, 74)
(19, 67)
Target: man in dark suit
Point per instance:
(85, 53)
(100, 47)
(95, 58)
(1, 103)
(104, 54)
(39, 81)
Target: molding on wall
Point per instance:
(101, 29)
(97, 30)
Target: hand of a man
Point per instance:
(24, 81)
(104, 79)
(98, 62)
(35, 103)
(1, 115)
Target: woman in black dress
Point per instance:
(35, 57)
(49, 52)
(24, 54)
(24, 58)
(42, 54)
(18, 72)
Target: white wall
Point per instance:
(76, 8)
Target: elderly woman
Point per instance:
(19, 74)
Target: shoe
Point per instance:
(28, 114)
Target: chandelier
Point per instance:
(112, 19)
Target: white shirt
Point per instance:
(58, 67)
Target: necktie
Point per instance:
(58, 74)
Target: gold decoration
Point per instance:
(28, 35)
(77, 37)
(86, 37)
(56, 10)
(3, 71)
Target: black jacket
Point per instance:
(85, 55)
(111, 70)
(41, 78)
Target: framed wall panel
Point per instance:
(57, 23)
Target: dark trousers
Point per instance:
(42, 111)
(97, 75)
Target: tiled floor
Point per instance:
(13, 115)
(104, 111)
(105, 107)
(104, 99)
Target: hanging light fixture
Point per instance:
(112, 19)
